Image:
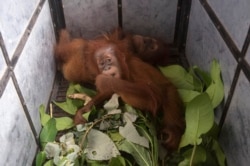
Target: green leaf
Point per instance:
(112, 103)
(40, 158)
(82, 159)
(147, 129)
(203, 75)
(52, 149)
(96, 113)
(215, 70)
(67, 138)
(216, 88)
(71, 89)
(73, 102)
(198, 158)
(43, 116)
(216, 93)
(82, 89)
(198, 85)
(219, 153)
(117, 161)
(48, 133)
(72, 156)
(100, 146)
(129, 117)
(67, 106)
(49, 163)
(130, 133)
(61, 161)
(115, 136)
(70, 105)
(150, 134)
(140, 154)
(179, 76)
(64, 123)
(86, 115)
(77, 163)
(187, 95)
(128, 162)
(130, 109)
(213, 132)
(96, 163)
(199, 119)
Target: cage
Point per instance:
(199, 30)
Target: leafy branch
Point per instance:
(201, 92)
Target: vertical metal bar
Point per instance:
(119, 3)
(56, 8)
(182, 21)
(229, 98)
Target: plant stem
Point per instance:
(192, 156)
(91, 126)
(51, 110)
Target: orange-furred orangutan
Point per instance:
(112, 65)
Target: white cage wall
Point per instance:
(201, 29)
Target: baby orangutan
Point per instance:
(113, 68)
(107, 63)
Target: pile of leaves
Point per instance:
(119, 135)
